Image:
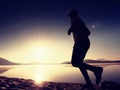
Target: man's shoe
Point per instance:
(89, 87)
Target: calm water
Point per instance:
(58, 73)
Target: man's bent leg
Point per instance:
(97, 71)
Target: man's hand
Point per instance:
(69, 32)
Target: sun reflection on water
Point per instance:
(38, 77)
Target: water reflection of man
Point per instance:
(82, 43)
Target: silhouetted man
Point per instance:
(82, 43)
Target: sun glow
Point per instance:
(39, 52)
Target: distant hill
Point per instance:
(96, 61)
(6, 62)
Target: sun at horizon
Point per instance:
(39, 52)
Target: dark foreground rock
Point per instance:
(15, 84)
(109, 85)
(28, 84)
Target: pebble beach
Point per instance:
(7, 83)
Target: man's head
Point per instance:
(73, 13)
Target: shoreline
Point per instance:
(7, 83)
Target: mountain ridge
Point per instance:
(7, 62)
